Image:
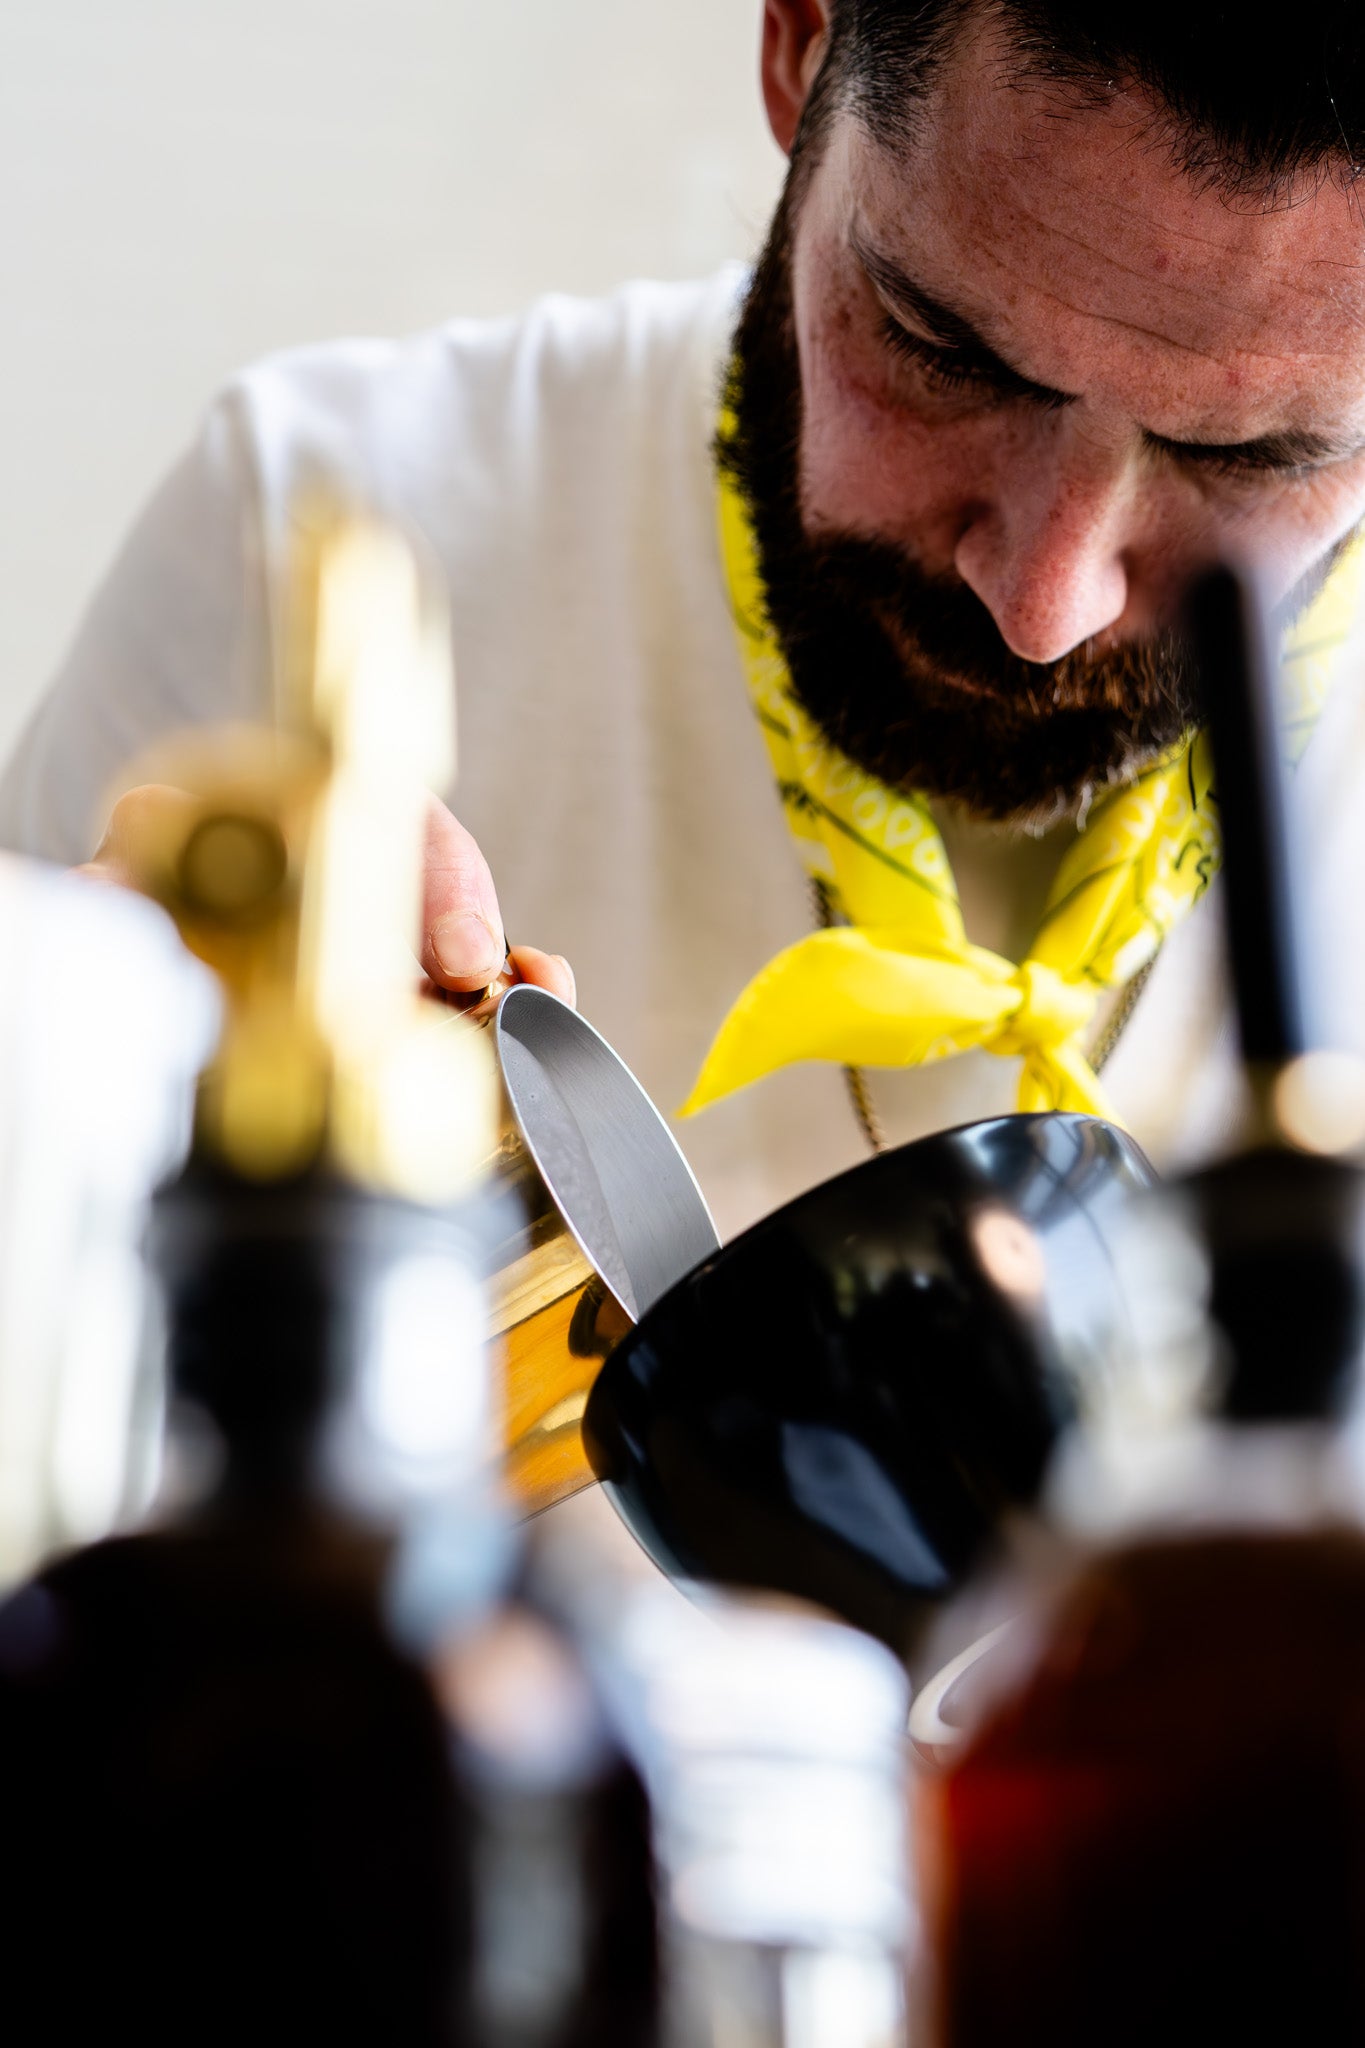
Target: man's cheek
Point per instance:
(852, 454)
(846, 367)
(869, 469)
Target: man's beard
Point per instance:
(905, 673)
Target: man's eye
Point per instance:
(1233, 468)
(943, 369)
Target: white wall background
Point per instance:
(185, 184)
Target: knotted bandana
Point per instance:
(900, 984)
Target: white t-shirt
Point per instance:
(558, 465)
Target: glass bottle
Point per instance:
(775, 1748)
(231, 1803)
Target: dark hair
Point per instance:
(1240, 109)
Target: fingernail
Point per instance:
(465, 947)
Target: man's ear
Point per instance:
(795, 37)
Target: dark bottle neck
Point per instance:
(274, 1300)
(1282, 1235)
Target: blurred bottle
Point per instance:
(565, 1937)
(776, 1757)
(1150, 1818)
(231, 1804)
(104, 1023)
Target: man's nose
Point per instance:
(1044, 550)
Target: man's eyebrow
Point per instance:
(1286, 449)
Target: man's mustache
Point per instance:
(948, 640)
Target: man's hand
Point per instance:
(463, 943)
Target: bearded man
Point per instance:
(815, 630)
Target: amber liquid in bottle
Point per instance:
(1160, 1834)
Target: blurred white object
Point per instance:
(104, 1022)
(775, 1746)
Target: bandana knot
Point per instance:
(1051, 1010)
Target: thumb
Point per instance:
(463, 945)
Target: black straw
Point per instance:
(1237, 673)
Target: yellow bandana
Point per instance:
(900, 984)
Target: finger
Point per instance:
(462, 939)
(547, 970)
